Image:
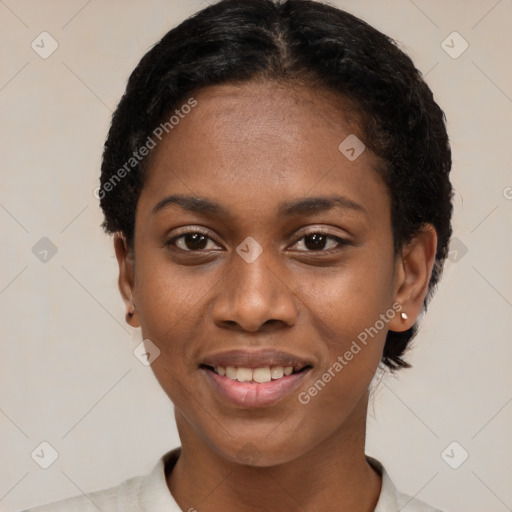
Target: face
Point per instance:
(261, 249)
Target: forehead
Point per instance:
(284, 99)
(259, 143)
(255, 112)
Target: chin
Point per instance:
(259, 450)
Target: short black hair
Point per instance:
(297, 42)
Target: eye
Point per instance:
(315, 241)
(191, 241)
(320, 241)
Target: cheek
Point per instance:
(349, 299)
(350, 310)
(347, 317)
(167, 304)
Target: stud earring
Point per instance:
(130, 313)
(404, 316)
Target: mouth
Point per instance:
(254, 379)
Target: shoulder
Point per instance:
(144, 493)
(391, 499)
(407, 503)
(106, 500)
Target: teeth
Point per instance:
(231, 372)
(276, 372)
(263, 374)
(244, 374)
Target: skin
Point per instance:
(250, 147)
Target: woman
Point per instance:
(276, 178)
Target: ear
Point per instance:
(412, 275)
(126, 281)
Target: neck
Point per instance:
(334, 472)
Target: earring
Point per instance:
(130, 313)
(404, 316)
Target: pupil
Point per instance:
(317, 239)
(195, 241)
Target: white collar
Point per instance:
(151, 493)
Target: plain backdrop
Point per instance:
(68, 375)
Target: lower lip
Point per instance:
(252, 394)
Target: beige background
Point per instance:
(68, 375)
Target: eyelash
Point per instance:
(319, 231)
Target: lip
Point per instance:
(255, 359)
(251, 395)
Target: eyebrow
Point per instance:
(302, 206)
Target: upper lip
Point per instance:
(255, 359)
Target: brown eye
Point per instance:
(321, 242)
(315, 241)
(195, 241)
(191, 241)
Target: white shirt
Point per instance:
(150, 494)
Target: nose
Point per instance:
(255, 296)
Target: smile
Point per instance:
(259, 375)
(243, 379)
